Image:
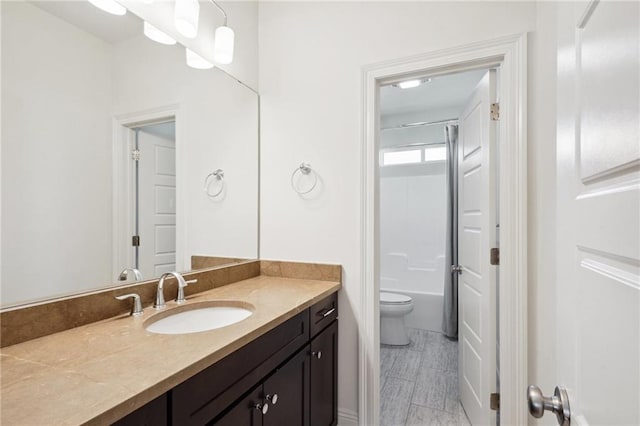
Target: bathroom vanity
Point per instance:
(288, 376)
(276, 367)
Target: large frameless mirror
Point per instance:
(117, 155)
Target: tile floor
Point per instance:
(419, 382)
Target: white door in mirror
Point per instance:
(197, 320)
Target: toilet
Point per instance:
(393, 308)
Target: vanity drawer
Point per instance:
(323, 313)
(204, 396)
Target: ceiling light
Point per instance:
(109, 6)
(156, 35)
(196, 61)
(223, 45)
(185, 16)
(409, 84)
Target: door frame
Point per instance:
(122, 181)
(509, 53)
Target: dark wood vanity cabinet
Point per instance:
(297, 361)
(281, 399)
(324, 377)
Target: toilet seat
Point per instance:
(394, 299)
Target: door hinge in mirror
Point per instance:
(495, 111)
(494, 401)
(135, 241)
(495, 256)
(135, 155)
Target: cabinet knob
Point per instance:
(273, 399)
(263, 408)
(317, 354)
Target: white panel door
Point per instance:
(476, 236)
(598, 239)
(157, 205)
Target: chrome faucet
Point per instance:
(124, 275)
(159, 304)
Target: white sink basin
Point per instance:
(198, 317)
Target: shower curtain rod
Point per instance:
(413, 145)
(423, 123)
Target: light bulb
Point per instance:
(109, 6)
(223, 45)
(196, 61)
(185, 16)
(156, 35)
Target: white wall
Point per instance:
(56, 146)
(311, 57)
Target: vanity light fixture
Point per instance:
(185, 17)
(156, 35)
(109, 6)
(224, 40)
(409, 84)
(196, 61)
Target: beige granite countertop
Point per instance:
(97, 373)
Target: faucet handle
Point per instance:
(180, 298)
(136, 306)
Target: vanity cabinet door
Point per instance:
(245, 412)
(324, 377)
(290, 383)
(152, 414)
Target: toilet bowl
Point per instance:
(393, 308)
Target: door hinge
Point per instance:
(135, 241)
(495, 256)
(135, 155)
(494, 401)
(495, 111)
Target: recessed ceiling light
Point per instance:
(408, 84)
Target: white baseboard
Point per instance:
(347, 417)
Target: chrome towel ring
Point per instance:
(209, 180)
(304, 170)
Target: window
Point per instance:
(400, 156)
(438, 153)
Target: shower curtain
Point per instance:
(450, 311)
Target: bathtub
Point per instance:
(423, 283)
(427, 309)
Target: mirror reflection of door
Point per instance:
(155, 206)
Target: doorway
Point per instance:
(437, 204)
(154, 207)
(509, 55)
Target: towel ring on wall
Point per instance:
(219, 176)
(304, 169)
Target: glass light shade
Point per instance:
(223, 45)
(196, 61)
(156, 35)
(185, 17)
(109, 6)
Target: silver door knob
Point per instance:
(456, 269)
(273, 399)
(558, 403)
(317, 354)
(263, 408)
